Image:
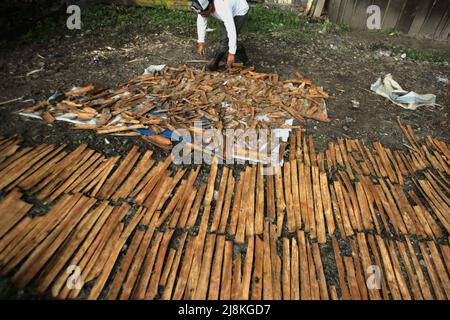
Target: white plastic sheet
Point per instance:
(390, 89)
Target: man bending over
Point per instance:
(233, 14)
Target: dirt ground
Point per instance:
(344, 64)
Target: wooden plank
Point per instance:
(40, 227)
(71, 246)
(167, 192)
(148, 182)
(248, 265)
(310, 202)
(313, 279)
(47, 248)
(319, 214)
(379, 264)
(144, 189)
(184, 273)
(295, 287)
(286, 271)
(390, 273)
(422, 9)
(170, 261)
(327, 206)
(434, 278)
(216, 269)
(303, 196)
(45, 189)
(291, 224)
(9, 174)
(336, 211)
(257, 276)
(119, 174)
(275, 263)
(81, 252)
(76, 173)
(409, 270)
(236, 284)
(259, 206)
(170, 282)
(364, 205)
(351, 278)
(225, 288)
(270, 195)
(125, 265)
(250, 220)
(366, 264)
(320, 272)
(352, 205)
(152, 288)
(242, 214)
(267, 266)
(296, 194)
(341, 271)
(95, 258)
(90, 174)
(220, 200)
(103, 277)
(362, 286)
(196, 207)
(236, 205)
(191, 285)
(305, 289)
(227, 204)
(280, 200)
(174, 201)
(98, 183)
(184, 214)
(39, 170)
(368, 192)
(145, 164)
(342, 209)
(147, 267)
(439, 266)
(424, 287)
(12, 210)
(398, 272)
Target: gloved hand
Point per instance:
(230, 59)
(201, 49)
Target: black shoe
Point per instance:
(214, 64)
(241, 56)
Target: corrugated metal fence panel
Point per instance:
(427, 18)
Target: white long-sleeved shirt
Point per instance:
(225, 10)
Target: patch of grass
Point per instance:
(125, 18)
(47, 26)
(99, 18)
(419, 55)
(345, 27)
(262, 19)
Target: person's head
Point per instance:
(202, 7)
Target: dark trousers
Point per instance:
(239, 22)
